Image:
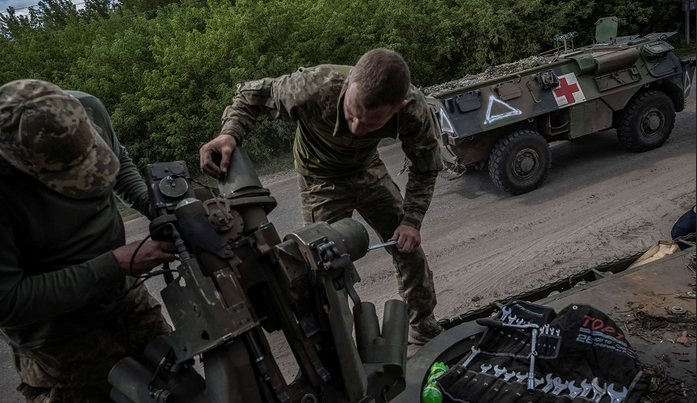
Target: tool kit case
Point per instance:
(580, 356)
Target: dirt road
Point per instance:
(598, 204)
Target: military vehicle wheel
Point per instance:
(520, 162)
(646, 122)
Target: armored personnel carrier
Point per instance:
(508, 116)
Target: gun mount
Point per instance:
(237, 278)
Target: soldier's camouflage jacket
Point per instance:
(324, 147)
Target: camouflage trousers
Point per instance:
(76, 371)
(377, 199)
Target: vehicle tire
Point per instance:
(520, 162)
(646, 122)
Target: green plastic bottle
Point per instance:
(431, 392)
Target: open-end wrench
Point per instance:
(538, 382)
(598, 391)
(508, 375)
(574, 390)
(521, 377)
(382, 245)
(498, 371)
(534, 329)
(520, 321)
(550, 384)
(485, 368)
(586, 386)
(504, 313)
(616, 396)
(473, 354)
(559, 386)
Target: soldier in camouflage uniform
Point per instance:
(63, 262)
(342, 114)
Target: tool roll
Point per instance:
(580, 355)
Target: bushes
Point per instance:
(166, 71)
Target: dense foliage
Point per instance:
(167, 70)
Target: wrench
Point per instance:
(558, 333)
(598, 391)
(507, 377)
(574, 390)
(615, 396)
(498, 371)
(382, 245)
(473, 354)
(533, 354)
(504, 313)
(586, 388)
(559, 386)
(521, 377)
(512, 319)
(485, 368)
(550, 383)
(520, 321)
(538, 382)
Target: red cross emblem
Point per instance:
(568, 92)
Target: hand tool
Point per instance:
(616, 396)
(507, 377)
(485, 368)
(498, 371)
(598, 391)
(559, 386)
(550, 383)
(574, 390)
(521, 377)
(490, 322)
(586, 388)
(538, 382)
(505, 312)
(473, 354)
(382, 245)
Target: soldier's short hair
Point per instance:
(382, 77)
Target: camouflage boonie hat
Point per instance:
(46, 133)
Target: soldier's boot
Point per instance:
(425, 332)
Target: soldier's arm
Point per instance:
(129, 187)
(300, 95)
(26, 299)
(420, 145)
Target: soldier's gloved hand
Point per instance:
(223, 145)
(408, 238)
(150, 255)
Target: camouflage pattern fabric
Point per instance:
(76, 371)
(324, 147)
(377, 199)
(46, 133)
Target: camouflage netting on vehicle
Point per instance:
(490, 73)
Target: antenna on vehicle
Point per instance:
(565, 39)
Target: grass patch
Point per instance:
(283, 162)
(687, 50)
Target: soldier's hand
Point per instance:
(223, 145)
(150, 255)
(408, 238)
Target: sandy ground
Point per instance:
(599, 203)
